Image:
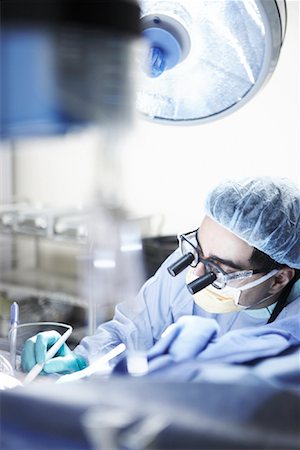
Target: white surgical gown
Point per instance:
(161, 301)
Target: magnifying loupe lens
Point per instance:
(201, 282)
(181, 264)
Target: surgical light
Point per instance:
(206, 58)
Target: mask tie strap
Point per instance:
(259, 281)
(256, 283)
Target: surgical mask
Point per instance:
(219, 301)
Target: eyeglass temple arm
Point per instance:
(181, 264)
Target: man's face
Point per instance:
(231, 254)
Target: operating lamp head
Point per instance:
(169, 43)
(206, 58)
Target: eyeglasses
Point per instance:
(190, 247)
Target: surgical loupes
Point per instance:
(181, 264)
(201, 282)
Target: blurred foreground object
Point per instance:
(224, 415)
(65, 64)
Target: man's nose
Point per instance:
(199, 270)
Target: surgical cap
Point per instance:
(264, 212)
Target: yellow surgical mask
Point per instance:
(219, 301)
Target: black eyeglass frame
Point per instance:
(223, 277)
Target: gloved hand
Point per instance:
(185, 338)
(34, 351)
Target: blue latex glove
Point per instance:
(185, 338)
(34, 351)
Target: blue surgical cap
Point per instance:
(264, 212)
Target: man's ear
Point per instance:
(281, 279)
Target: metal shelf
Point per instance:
(34, 282)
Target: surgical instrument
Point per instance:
(13, 333)
(34, 372)
(94, 367)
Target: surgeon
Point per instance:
(233, 280)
